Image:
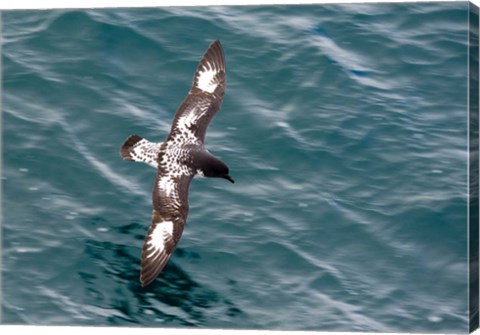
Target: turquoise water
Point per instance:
(344, 127)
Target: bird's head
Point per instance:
(220, 170)
(211, 166)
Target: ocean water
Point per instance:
(344, 127)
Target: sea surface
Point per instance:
(344, 127)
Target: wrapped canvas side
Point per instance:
(473, 166)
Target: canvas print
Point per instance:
(300, 167)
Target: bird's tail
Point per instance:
(138, 149)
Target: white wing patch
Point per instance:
(166, 184)
(161, 233)
(184, 124)
(206, 77)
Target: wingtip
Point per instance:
(146, 281)
(210, 75)
(215, 50)
(216, 45)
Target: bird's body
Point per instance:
(180, 158)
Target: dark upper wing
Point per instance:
(204, 98)
(170, 210)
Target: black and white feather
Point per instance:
(178, 160)
(204, 99)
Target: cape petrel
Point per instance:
(178, 159)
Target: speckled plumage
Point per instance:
(178, 159)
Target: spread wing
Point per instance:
(204, 98)
(170, 210)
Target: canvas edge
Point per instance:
(1, 167)
(473, 177)
(473, 165)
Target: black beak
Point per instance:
(227, 177)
